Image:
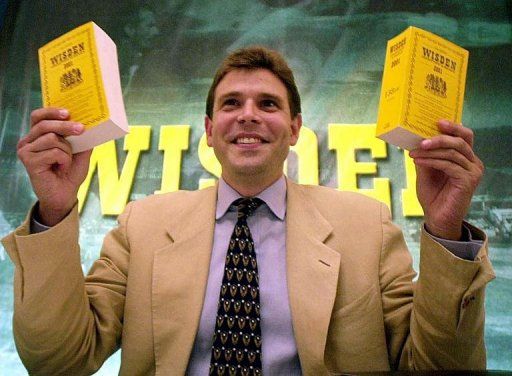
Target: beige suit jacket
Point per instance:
(353, 301)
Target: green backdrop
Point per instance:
(168, 51)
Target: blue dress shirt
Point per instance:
(268, 229)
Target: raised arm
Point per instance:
(448, 173)
(55, 173)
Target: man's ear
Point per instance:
(295, 129)
(208, 124)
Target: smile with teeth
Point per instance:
(248, 140)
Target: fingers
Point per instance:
(48, 113)
(449, 155)
(49, 141)
(448, 145)
(450, 152)
(45, 144)
(47, 149)
(472, 172)
(455, 140)
(50, 120)
(456, 130)
(54, 159)
(61, 128)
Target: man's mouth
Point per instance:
(248, 140)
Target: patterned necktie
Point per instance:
(236, 346)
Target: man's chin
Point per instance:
(249, 170)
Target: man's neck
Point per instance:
(251, 186)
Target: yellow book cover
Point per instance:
(423, 81)
(79, 72)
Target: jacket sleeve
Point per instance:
(64, 324)
(442, 327)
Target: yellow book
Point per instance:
(79, 71)
(423, 81)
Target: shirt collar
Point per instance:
(274, 197)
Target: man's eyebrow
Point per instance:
(271, 96)
(239, 93)
(229, 94)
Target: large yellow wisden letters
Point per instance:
(410, 205)
(307, 157)
(209, 161)
(173, 141)
(346, 139)
(114, 190)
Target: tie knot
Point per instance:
(247, 206)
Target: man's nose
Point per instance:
(249, 113)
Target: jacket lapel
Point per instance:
(180, 274)
(312, 269)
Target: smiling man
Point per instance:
(251, 129)
(257, 275)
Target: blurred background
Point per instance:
(168, 52)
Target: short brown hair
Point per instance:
(257, 57)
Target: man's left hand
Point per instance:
(448, 172)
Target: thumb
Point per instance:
(80, 165)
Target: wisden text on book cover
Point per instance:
(423, 82)
(79, 72)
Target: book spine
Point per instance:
(405, 74)
(463, 67)
(393, 84)
(411, 100)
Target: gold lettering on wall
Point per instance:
(209, 162)
(114, 189)
(410, 205)
(306, 150)
(346, 139)
(173, 141)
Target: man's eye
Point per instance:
(230, 102)
(268, 103)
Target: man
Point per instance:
(328, 285)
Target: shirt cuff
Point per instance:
(465, 249)
(36, 226)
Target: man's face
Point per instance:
(252, 128)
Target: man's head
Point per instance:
(253, 117)
(252, 58)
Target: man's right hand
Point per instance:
(55, 173)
